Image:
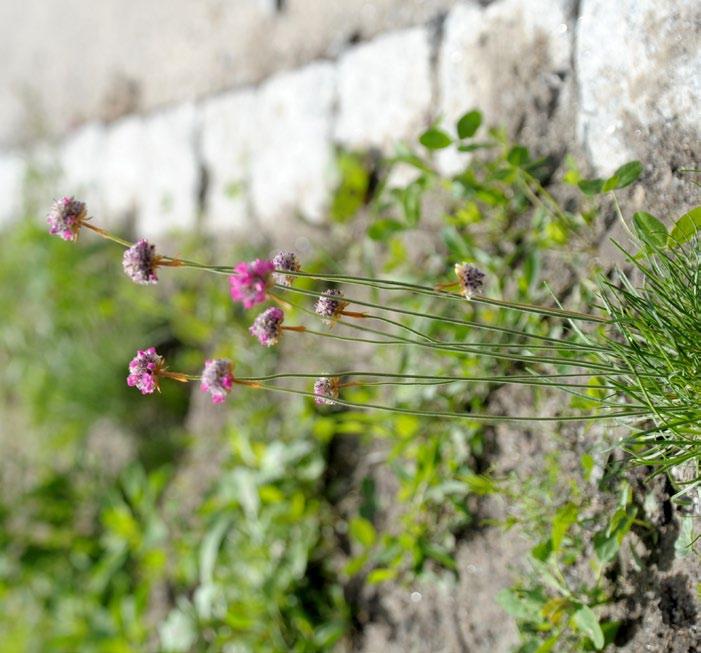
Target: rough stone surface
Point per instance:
(292, 170)
(81, 159)
(65, 63)
(384, 90)
(226, 145)
(123, 169)
(638, 64)
(512, 61)
(171, 180)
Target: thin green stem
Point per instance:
(454, 415)
(460, 349)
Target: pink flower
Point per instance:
(66, 217)
(268, 326)
(217, 379)
(250, 282)
(144, 370)
(285, 262)
(326, 390)
(140, 263)
(470, 278)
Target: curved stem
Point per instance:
(463, 349)
(454, 415)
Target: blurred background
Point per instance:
(227, 130)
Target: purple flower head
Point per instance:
(217, 379)
(140, 263)
(285, 262)
(470, 278)
(144, 370)
(326, 390)
(66, 217)
(330, 305)
(250, 282)
(267, 327)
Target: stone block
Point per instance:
(638, 64)
(292, 154)
(384, 90)
(227, 137)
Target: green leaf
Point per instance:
(435, 139)
(685, 540)
(210, 548)
(518, 155)
(472, 147)
(564, 518)
(362, 531)
(606, 546)
(469, 124)
(384, 228)
(381, 575)
(456, 244)
(649, 229)
(686, 227)
(624, 176)
(586, 622)
(591, 186)
(542, 550)
(523, 607)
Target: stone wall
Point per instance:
(611, 80)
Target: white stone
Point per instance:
(384, 90)
(171, 175)
(12, 175)
(123, 170)
(292, 154)
(492, 59)
(638, 62)
(227, 137)
(80, 159)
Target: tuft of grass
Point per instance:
(657, 337)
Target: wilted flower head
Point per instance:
(66, 217)
(140, 263)
(217, 379)
(250, 282)
(330, 305)
(326, 390)
(144, 370)
(268, 326)
(470, 278)
(286, 262)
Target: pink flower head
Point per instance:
(267, 327)
(217, 379)
(140, 263)
(470, 278)
(330, 305)
(144, 370)
(285, 262)
(66, 217)
(326, 390)
(250, 282)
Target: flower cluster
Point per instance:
(66, 217)
(326, 390)
(250, 282)
(144, 370)
(267, 327)
(217, 379)
(140, 263)
(285, 262)
(330, 305)
(471, 279)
